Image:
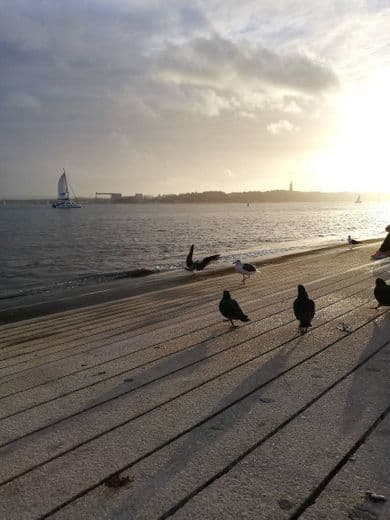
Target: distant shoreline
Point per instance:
(220, 197)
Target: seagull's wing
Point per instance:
(249, 267)
(189, 262)
(202, 263)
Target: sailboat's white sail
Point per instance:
(63, 201)
(63, 191)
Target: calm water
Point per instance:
(43, 247)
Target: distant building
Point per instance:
(291, 186)
(114, 197)
(139, 197)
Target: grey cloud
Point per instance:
(217, 59)
(92, 58)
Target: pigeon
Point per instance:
(382, 293)
(304, 310)
(198, 265)
(245, 269)
(352, 242)
(230, 309)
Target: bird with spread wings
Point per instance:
(198, 265)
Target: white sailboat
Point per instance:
(358, 200)
(63, 201)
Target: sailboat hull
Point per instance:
(65, 204)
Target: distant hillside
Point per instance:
(268, 196)
(240, 197)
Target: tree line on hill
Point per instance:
(261, 196)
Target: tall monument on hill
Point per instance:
(291, 186)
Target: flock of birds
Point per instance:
(303, 306)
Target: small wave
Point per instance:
(80, 281)
(118, 275)
(12, 295)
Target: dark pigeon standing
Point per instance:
(198, 265)
(230, 309)
(304, 310)
(382, 293)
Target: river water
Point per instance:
(43, 248)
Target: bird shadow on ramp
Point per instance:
(345, 251)
(212, 436)
(368, 392)
(367, 383)
(158, 368)
(381, 270)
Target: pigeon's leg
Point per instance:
(233, 326)
(243, 279)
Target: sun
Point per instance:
(359, 158)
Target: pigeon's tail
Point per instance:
(304, 324)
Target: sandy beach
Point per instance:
(137, 401)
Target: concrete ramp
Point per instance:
(151, 407)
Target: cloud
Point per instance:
(95, 59)
(281, 126)
(241, 75)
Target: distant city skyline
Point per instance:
(165, 97)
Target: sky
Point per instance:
(172, 96)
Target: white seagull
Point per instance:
(245, 269)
